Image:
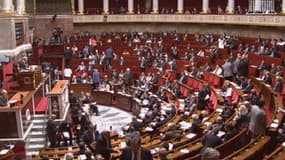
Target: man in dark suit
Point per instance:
(67, 55)
(72, 97)
(278, 87)
(243, 67)
(90, 136)
(81, 124)
(128, 77)
(136, 124)
(267, 78)
(248, 87)
(103, 145)
(52, 132)
(109, 56)
(183, 78)
(96, 78)
(211, 139)
(134, 151)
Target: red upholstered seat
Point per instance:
(217, 81)
(235, 95)
(195, 84)
(190, 82)
(160, 81)
(214, 100)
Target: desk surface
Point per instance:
(59, 87)
(17, 98)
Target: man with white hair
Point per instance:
(68, 156)
(127, 77)
(134, 151)
(210, 154)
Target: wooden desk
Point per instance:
(10, 155)
(123, 101)
(30, 79)
(77, 88)
(252, 150)
(136, 106)
(103, 97)
(277, 154)
(59, 99)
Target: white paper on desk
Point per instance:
(142, 115)
(123, 145)
(166, 108)
(267, 85)
(66, 135)
(169, 124)
(274, 125)
(185, 125)
(208, 123)
(207, 97)
(184, 151)
(137, 100)
(4, 151)
(126, 127)
(148, 129)
(163, 112)
(220, 110)
(153, 151)
(221, 134)
(281, 110)
(170, 146)
(190, 135)
(82, 157)
(145, 102)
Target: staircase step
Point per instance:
(31, 153)
(37, 134)
(40, 116)
(42, 121)
(38, 127)
(35, 146)
(36, 140)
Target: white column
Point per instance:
(231, 6)
(105, 6)
(205, 6)
(81, 7)
(21, 7)
(257, 6)
(283, 6)
(130, 6)
(6, 6)
(72, 7)
(180, 6)
(154, 6)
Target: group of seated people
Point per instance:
(235, 69)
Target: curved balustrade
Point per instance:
(255, 20)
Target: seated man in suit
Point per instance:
(134, 151)
(211, 139)
(278, 86)
(136, 124)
